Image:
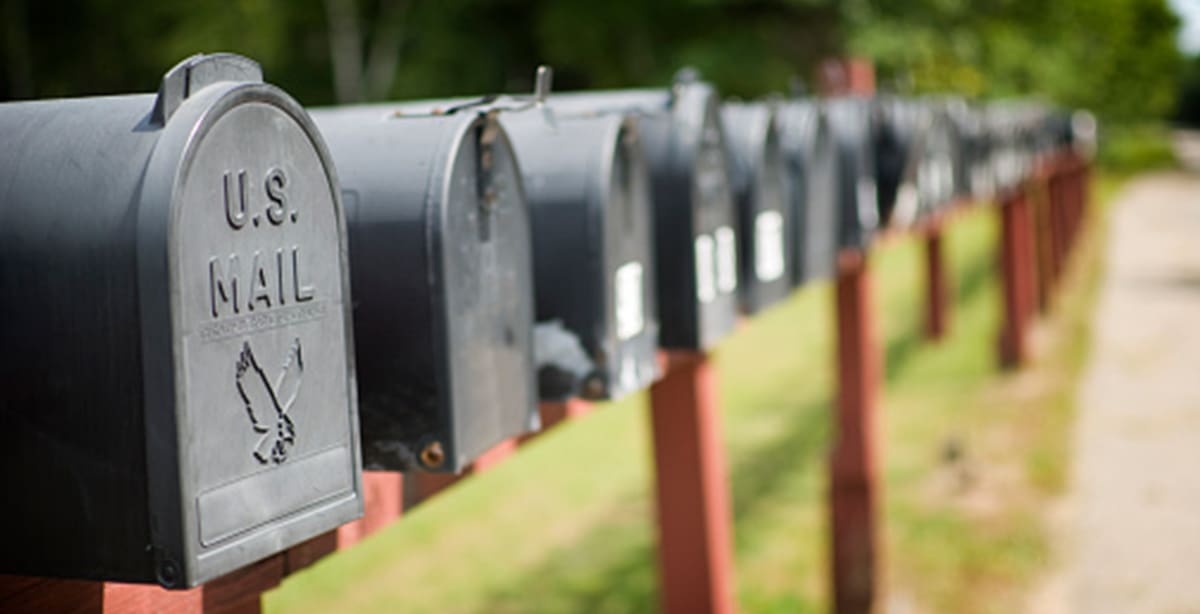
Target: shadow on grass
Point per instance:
(901, 347)
(759, 473)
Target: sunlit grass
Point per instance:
(567, 524)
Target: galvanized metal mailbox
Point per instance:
(811, 154)
(588, 189)
(694, 213)
(758, 178)
(850, 121)
(441, 265)
(177, 395)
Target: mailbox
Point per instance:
(178, 395)
(972, 172)
(894, 128)
(1012, 145)
(588, 189)
(811, 154)
(758, 175)
(441, 265)
(694, 215)
(850, 122)
(933, 168)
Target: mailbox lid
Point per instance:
(758, 178)
(812, 157)
(858, 209)
(483, 248)
(260, 349)
(589, 195)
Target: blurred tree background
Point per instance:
(1117, 57)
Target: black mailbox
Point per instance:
(932, 170)
(894, 127)
(177, 395)
(758, 178)
(1011, 151)
(589, 196)
(850, 122)
(441, 266)
(694, 213)
(811, 155)
(972, 171)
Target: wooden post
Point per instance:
(853, 476)
(937, 298)
(1018, 283)
(383, 502)
(694, 517)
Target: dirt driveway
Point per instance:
(1132, 540)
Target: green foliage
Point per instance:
(1129, 148)
(1115, 56)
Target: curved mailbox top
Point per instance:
(694, 213)
(443, 282)
(589, 194)
(850, 123)
(182, 329)
(812, 158)
(758, 176)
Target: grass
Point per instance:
(567, 524)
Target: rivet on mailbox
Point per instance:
(177, 397)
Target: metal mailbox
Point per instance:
(850, 122)
(972, 171)
(177, 394)
(588, 189)
(441, 265)
(694, 213)
(894, 128)
(758, 178)
(932, 169)
(811, 154)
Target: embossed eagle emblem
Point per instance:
(267, 403)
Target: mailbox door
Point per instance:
(764, 212)
(260, 352)
(631, 307)
(715, 251)
(483, 246)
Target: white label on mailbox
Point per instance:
(628, 295)
(706, 282)
(768, 246)
(726, 260)
(868, 214)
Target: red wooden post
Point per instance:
(937, 300)
(383, 502)
(854, 481)
(694, 517)
(1018, 283)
